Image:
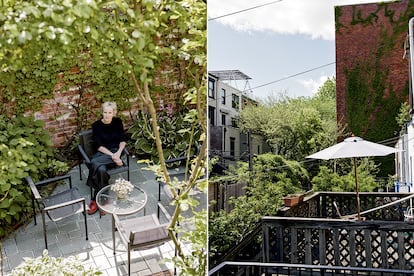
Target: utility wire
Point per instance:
(291, 76)
(278, 80)
(248, 9)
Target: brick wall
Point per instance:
(61, 114)
(356, 42)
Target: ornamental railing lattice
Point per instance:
(314, 233)
(370, 244)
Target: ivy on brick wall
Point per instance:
(369, 114)
(372, 103)
(92, 49)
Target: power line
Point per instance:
(278, 80)
(248, 9)
(291, 76)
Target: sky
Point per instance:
(286, 47)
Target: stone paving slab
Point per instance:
(67, 237)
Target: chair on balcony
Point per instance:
(139, 233)
(409, 214)
(347, 217)
(87, 150)
(57, 206)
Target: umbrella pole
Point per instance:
(357, 191)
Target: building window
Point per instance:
(234, 122)
(223, 119)
(211, 112)
(211, 84)
(232, 146)
(223, 96)
(235, 101)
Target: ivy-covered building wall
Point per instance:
(372, 76)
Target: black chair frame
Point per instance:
(57, 206)
(87, 149)
(128, 236)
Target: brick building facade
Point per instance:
(371, 38)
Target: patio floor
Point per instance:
(67, 237)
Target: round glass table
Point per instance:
(107, 201)
(135, 201)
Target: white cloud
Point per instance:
(314, 18)
(313, 85)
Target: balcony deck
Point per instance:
(311, 237)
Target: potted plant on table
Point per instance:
(122, 187)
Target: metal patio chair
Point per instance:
(139, 233)
(58, 206)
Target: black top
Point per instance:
(108, 135)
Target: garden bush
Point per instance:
(25, 148)
(46, 265)
(175, 131)
(271, 178)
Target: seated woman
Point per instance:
(110, 140)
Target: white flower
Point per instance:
(122, 186)
(197, 60)
(47, 265)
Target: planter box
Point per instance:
(291, 201)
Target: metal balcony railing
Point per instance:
(382, 243)
(280, 269)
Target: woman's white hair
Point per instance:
(110, 105)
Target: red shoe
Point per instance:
(93, 207)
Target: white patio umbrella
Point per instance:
(353, 147)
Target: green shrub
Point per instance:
(331, 180)
(25, 148)
(46, 265)
(272, 178)
(175, 131)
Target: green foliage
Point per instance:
(327, 90)
(194, 264)
(330, 180)
(403, 116)
(369, 113)
(46, 265)
(176, 132)
(271, 179)
(295, 128)
(25, 148)
(268, 168)
(372, 102)
(76, 40)
(128, 51)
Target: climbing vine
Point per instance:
(371, 100)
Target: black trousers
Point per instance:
(98, 175)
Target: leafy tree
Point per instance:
(272, 178)
(295, 128)
(113, 50)
(329, 179)
(403, 117)
(327, 90)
